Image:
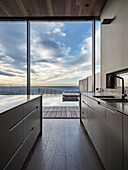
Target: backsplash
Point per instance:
(115, 92)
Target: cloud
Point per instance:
(52, 59)
(58, 31)
(6, 74)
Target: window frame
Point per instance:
(55, 19)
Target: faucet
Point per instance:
(123, 94)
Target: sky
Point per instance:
(61, 52)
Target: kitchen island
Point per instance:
(20, 125)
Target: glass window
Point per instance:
(13, 58)
(97, 57)
(61, 55)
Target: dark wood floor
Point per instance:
(63, 146)
(61, 112)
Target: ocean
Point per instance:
(20, 90)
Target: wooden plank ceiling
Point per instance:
(45, 8)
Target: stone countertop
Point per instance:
(8, 102)
(121, 106)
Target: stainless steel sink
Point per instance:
(104, 97)
(116, 100)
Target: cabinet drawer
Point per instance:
(90, 102)
(9, 143)
(30, 139)
(125, 125)
(10, 118)
(30, 106)
(31, 120)
(17, 160)
(113, 139)
(84, 118)
(84, 111)
(125, 141)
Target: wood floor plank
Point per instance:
(64, 146)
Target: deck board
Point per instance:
(61, 112)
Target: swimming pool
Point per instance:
(56, 100)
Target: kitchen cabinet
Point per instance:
(90, 124)
(113, 140)
(84, 111)
(125, 142)
(105, 128)
(95, 124)
(11, 133)
(99, 130)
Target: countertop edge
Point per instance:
(19, 104)
(104, 103)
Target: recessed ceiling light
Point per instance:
(86, 5)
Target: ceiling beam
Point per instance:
(22, 7)
(5, 9)
(49, 6)
(68, 7)
(81, 3)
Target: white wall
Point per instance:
(114, 38)
(85, 85)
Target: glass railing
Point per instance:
(12, 89)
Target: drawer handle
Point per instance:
(32, 129)
(83, 112)
(98, 102)
(13, 127)
(30, 113)
(6, 166)
(87, 105)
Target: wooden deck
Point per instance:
(55, 112)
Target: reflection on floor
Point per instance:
(63, 146)
(61, 112)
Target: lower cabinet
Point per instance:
(10, 140)
(94, 121)
(30, 139)
(108, 131)
(113, 140)
(125, 142)
(84, 111)
(99, 130)
(17, 160)
(90, 123)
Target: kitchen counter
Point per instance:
(121, 107)
(8, 102)
(107, 126)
